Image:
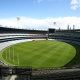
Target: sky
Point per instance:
(40, 14)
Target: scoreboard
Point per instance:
(51, 30)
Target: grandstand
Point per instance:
(66, 35)
(10, 36)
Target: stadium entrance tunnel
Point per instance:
(41, 54)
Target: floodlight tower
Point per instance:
(54, 23)
(18, 19)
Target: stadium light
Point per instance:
(54, 23)
(18, 18)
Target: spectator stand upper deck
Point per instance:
(67, 35)
(8, 34)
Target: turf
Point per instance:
(76, 59)
(39, 54)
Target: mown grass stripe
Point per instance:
(41, 54)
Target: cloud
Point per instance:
(30, 23)
(74, 7)
(39, 1)
(75, 4)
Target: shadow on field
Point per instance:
(76, 59)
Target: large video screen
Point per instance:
(51, 30)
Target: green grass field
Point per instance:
(39, 54)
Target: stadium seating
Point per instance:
(9, 34)
(71, 35)
(64, 73)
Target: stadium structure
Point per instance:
(11, 36)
